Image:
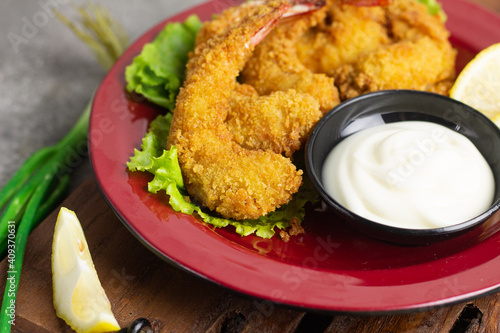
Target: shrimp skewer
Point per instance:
(235, 182)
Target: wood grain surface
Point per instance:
(493, 5)
(139, 284)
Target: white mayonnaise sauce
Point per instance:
(411, 174)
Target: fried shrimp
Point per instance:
(420, 65)
(219, 173)
(280, 121)
(395, 46)
(342, 36)
(363, 45)
(418, 57)
(275, 65)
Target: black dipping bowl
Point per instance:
(390, 106)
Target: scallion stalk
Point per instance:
(42, 181)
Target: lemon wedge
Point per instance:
(79, 298)
(478, 85)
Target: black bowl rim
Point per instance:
(398, 93)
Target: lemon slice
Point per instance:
(496, 119)
(79, 298)
(478, 85)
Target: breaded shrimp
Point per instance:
(279, 122)
(346, 33)
(420, 65)
(419, 55)
(275, 65)
(395, 44)
(220, 174)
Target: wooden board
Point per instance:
(139, 284)
(493, 5)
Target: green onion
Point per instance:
(42, 181)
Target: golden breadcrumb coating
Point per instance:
(223, 176)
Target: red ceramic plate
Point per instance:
(331, 267)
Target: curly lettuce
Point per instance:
(158, 71)
(164, 166)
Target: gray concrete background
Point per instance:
(47, 75)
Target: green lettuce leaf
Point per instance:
(164, 165)
(157, 73)
(434, 8)
(159, 70)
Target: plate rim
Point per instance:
(110, 198)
